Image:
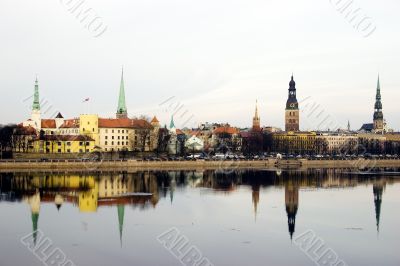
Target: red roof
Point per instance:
(70, 123)
(48, 123)
(228, 130)
(124, 123)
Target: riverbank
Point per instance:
(136, 165)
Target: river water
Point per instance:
(203, 217)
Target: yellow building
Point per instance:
(294, 142)
(63, 144)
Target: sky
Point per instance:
(204, 61)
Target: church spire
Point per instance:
(378, 114)
(122, 110)
(256, 119)
(36, 103)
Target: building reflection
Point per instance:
(143, 190)
(292, 203)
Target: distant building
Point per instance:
(292, 116)
(294, 142)
(336, 143)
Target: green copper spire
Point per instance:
(121, 213)
(36, 103)
(172, 124)
(122, 111)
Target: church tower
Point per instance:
(256, 120)
(378, 115)
(122, 111)
(292, 109)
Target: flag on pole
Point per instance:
(86, 100)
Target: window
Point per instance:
(80, 143)
(118, 143)
(112, 131)
(112, 142)
(106, 137)
(123, 131)
(112, 137)
(88, 123)
(106, 130)
(68, 143)
(59, 143)
(118, 137)
(83, 129)
(47, 142)
(93, 129)
(105, 143)
(118, 131)
(80, 150)
(68, 150)
(59, 150)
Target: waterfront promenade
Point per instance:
(128, 165)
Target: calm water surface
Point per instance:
(236, 218)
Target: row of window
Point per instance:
(119, 131)
(68, 150)
(118, 143)
(119, 137)
(68, 143)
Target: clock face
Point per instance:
(292, 105)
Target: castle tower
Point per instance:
(256, 119)
(122, 110)
(35, 115)
(292, 120)
(378, 115)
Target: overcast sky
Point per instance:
(214, 57)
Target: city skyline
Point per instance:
(312, 110)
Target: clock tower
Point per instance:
(292, 119)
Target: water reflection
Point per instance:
(143, 190)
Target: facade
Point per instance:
(294, 142)
(371, 143)
(226, 138)
(292, 116)
(336, 143)
(62, 144)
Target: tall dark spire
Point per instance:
(378, 114)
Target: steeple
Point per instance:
(122, 111)
(172, 127)
(256, 119)
(348, 125)
(36, 103)
(378, 114)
